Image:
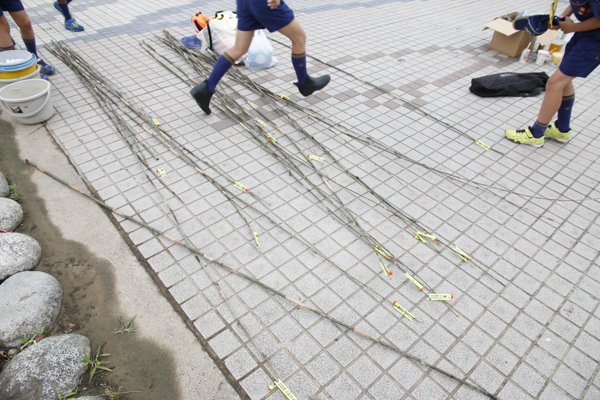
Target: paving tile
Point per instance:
(528, 305)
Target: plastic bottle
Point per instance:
(525, 54)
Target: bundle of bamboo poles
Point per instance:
(295, 163)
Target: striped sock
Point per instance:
(299, 63)
(223, 64)
(30, 45)
(538, 129)
(64, 8)
(563, 121)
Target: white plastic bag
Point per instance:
(260, 54)
(219, 34)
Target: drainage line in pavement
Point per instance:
(270, 289)
(409, 103)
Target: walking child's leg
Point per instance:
(306, 84)
(204, 91)
(22, 20)
(558, 86)
(6, 41)
(70, 22)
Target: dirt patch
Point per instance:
(89, 304)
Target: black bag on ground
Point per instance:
(509, 84)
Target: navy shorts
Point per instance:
(582, 56)
(256, 14)
(11, 5)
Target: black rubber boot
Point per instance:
(202, 96)
(313, 84)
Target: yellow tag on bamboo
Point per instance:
(256, 240)
(272, 139)
(162, 172)
(483, 145)
(241, 187)
(286, 392)
(461, 254)
(316, 158)
(439, 297)
(386, 270)
(284, 97)
(413, 280)
(403, 311)
(155, 122)
(260, 123)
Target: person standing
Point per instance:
(17, 12)
(582, 56)
(273, 15)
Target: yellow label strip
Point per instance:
(284, 97)
(256, 240)
(461, 254)
(155, 122)
(385, 269)
(439, 297)
(424, 236)
(286, 392)
(241, 187)
(413, 280)
(272, 139)
(383, 253)
(483, 145)
(260, 123)
(403, 311)
(162, 172)
(316, 158)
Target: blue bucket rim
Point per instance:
(19, 67)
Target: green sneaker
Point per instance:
(553, 132)
(524, 136)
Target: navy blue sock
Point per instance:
(30, 45)
(538, 129)
(299, 63)
(64, 8)
(223, 64)
(563, 121)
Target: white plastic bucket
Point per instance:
(29, 101)
(34, 75)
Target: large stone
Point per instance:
(3, 186)
(29, 301)
(42, 371)
(18, 253)
(11, 214)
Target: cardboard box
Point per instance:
(511, 42)
(508, 40)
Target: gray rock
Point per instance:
(18, 253)
(42, 371)
(11, 214)
(29, 301)
(3, 186)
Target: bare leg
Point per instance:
(22, 20)
(5, 39)
(296, 34)
(558, 85)
(242, 44)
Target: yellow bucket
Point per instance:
(18, 74)
(557, 58)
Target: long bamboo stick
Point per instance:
(269, 288)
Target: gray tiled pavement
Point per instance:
(523, 325)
